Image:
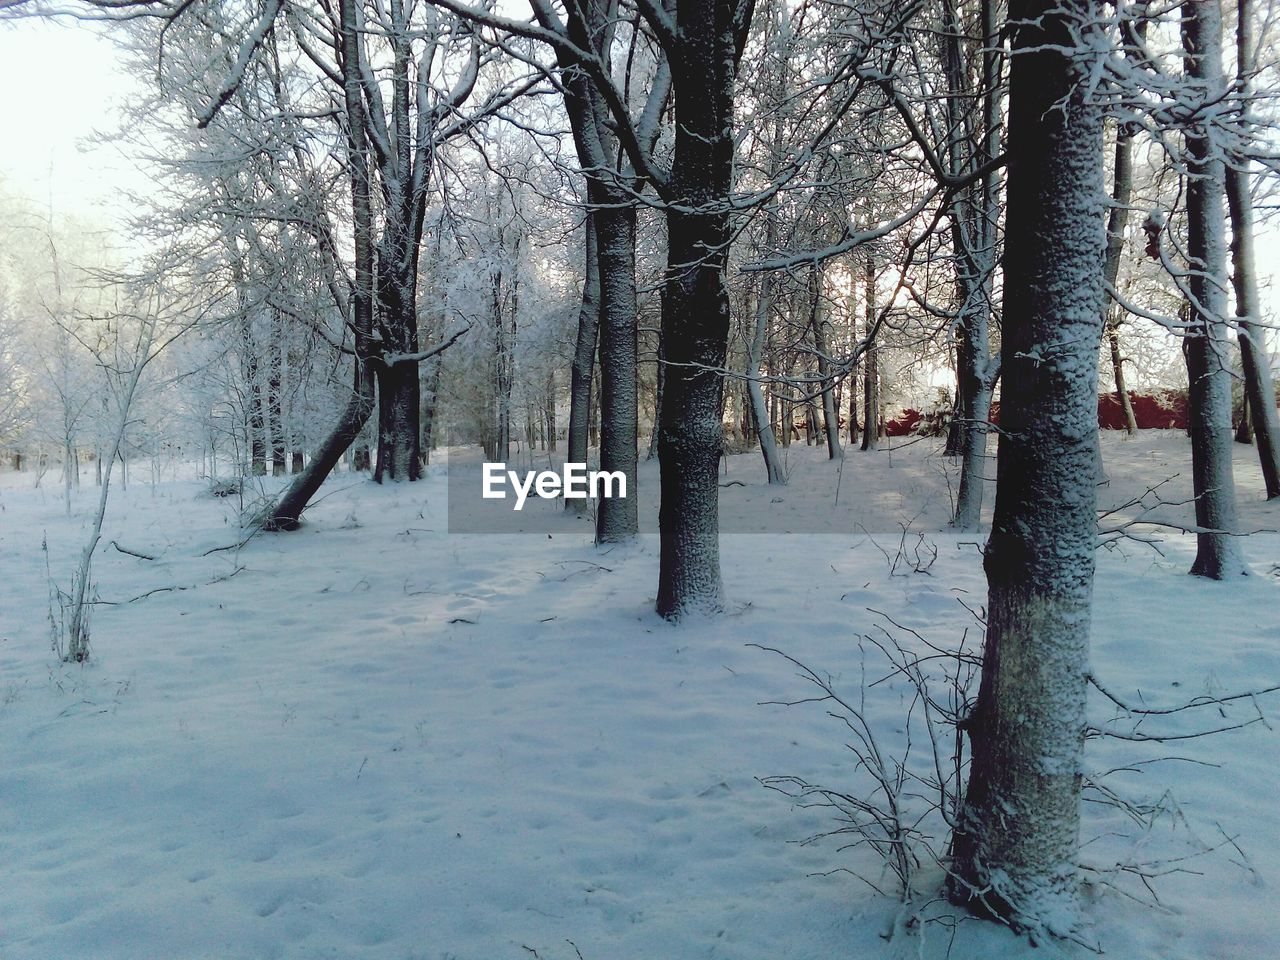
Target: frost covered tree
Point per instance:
(1206, 347)
(612, 183)
(703, 42)
(1255, 359)
(1016, 842)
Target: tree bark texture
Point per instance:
(1015, 845)
(695, 315)
(1256, 361)
(1205, 346)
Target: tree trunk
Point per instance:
(1016, 840)
(759, 409)
(1205, 346)
(959, 411)
(818, 321)
(430, 404)
(1121, 195)
(1244, 422)
(255, 418)
(1117, 369)
(1253, 345)
(285, 514)
(973, 230)
(695, 310)
(1117, 221)
(870, 373)
(399, 443)
(660, 378)
(617, 519)
(852, 313)
(584, 357)
(973, 462)
(549, 411)
(275, 400)
(399, 427)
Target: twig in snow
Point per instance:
(132, 553)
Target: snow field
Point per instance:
(374, 739)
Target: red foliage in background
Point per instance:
(1165, 410)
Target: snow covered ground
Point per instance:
(375, 739)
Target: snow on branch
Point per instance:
(248, 46)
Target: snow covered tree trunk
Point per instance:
(1259, 389)
(430, 389)
(1117, 369)
(399, 402)
(959, 411)
(1205, 346)
(974, 213)
(695, 310)
(255, 417)
(275, 399)
(758, 405)
(851, 311)
(584, 357)
(759, 408)
(853, 409)
(1241, 415)
(70, 462)
(78, 600)
(973, 462)
(818, 321)
(617, 518)
(659, 378)
(399, 444)
(1016, 840)
(549, 423)
(870, 371)
(399, 429)
(611, 190)
(1117, 220)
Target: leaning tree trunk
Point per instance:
(1117, 369)
(1259, 389)
(1205, 346)
(1016, 840)
(695, 311)
(285, 514)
